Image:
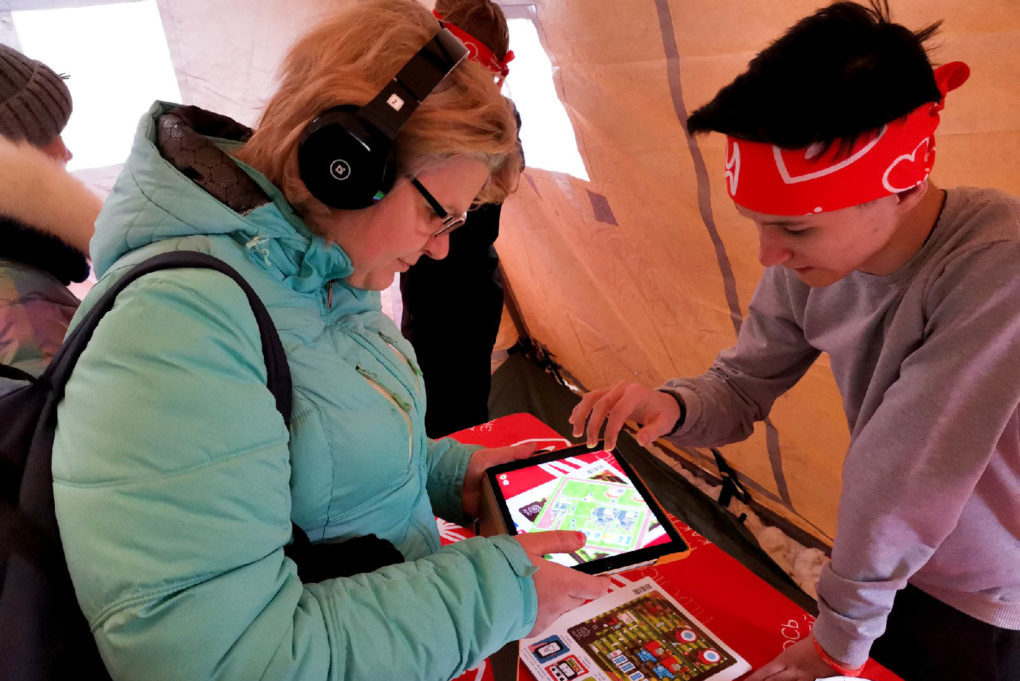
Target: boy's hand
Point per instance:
(799, 662)
(657, 412)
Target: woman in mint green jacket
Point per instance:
(175, 478)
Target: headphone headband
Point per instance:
(346, 157)
(390, 109)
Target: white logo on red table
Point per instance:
(795, 629)
(451, 532)
(544, 444)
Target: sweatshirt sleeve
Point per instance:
(914, 464)
(171, 482)
(739, 389)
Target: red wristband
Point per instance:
(836, 664)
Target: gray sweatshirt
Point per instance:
(927, 360)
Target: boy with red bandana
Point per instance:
(913, 292)
(452, 307)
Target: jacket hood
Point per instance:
(181, 181)
(38, 193)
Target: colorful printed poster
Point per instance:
(635, 633)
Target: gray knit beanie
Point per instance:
(34, 101)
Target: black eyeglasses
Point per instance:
(450, 222)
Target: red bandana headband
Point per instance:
(478, 51)
(767, 179)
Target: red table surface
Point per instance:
(738, 606)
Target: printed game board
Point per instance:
(636, 633)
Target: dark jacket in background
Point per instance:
(46, 221)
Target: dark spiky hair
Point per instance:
(839, 73)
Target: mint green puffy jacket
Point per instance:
(176, 480)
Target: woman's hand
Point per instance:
(799, 662)
(656, 411)
(559, 588)
(482, 459)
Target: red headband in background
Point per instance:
(478, 51)
(767, 179)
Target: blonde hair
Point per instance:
(347, 59)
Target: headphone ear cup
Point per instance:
(344, 161)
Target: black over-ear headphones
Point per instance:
(346, 156)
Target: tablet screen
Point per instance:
(591, 491)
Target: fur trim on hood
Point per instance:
(38, 192)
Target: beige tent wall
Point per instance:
(645, 271)
(227, 53)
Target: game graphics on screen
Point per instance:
(586, 494)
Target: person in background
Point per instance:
(46, 215)
(452, 307)
(176, 491)
(914, 293)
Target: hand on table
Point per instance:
(471, 495)
(559, 588)
(657, 412)
(799, 662)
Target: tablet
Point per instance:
(588, 490)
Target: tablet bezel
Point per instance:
(622, 561)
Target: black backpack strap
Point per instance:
(45, 635)
(278, 371)
(731, 485)
(329, 560)
(315, 562)
(15, 374)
